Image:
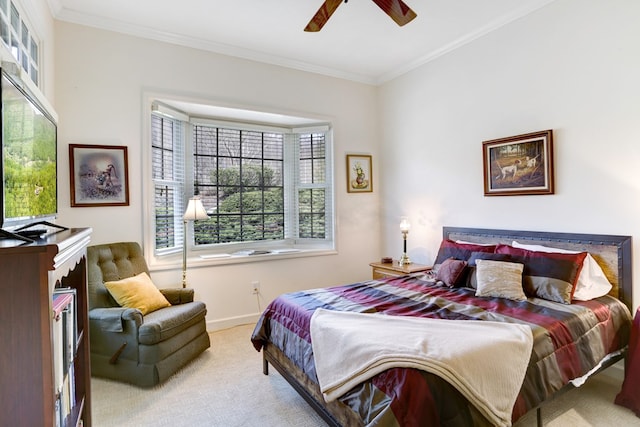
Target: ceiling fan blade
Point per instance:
(397, 10)
(322, 15)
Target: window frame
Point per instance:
(230, 253)
(21, 50)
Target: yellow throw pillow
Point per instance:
(137, 292)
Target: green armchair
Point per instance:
(127, 346)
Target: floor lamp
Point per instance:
(195, 210)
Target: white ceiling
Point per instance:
(360, 42)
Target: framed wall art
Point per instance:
(99, 175)
(519, 165)
(359, 173)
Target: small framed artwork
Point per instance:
(359, 173)
(519, 165)
(99, 175)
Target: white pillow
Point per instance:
(592, 282)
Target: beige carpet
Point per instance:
(225, 387)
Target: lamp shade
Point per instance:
(405, 225)
(195, 210)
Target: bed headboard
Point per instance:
(613, 253)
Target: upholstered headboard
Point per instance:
(613, 253)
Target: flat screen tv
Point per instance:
(28, 160)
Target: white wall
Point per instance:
(573, 67)
(101, 77)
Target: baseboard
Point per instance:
(230, 322)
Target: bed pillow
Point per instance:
(137, 292)
(547, 275)
(592, 282)
(452, 272)
(500, 279)
(471, 279)
(462, 251)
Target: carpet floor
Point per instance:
(225, 387)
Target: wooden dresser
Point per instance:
(28, 275)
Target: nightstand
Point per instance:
(393, 269)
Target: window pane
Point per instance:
(206, 232)
(15, 19)
(252, 227)
(311, 220)
(273, 173)
(229, 141)
(240, 174)
(4, 31)
(230, 228)
(162, 137)
(273, 146)
(34, 52)
(274, 227)
(165, 232)
(312, 159)
(25, 36)
(252, 145)
(34, 75)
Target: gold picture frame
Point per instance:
(359, 173)
(519, 165)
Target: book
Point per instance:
(73, 333)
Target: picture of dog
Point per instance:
(508, 171)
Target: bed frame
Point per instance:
(612, 252)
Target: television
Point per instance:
(28, 162)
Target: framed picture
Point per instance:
(99, 175)
(519, 165)
(359, 173)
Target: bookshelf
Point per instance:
(30, 275)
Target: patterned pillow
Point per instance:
(592, 282)
(500, 279)
(471, 279)
(452, 272)
(462, 251)
(550, 276)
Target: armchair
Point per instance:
(125, 344)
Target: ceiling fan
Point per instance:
(396, 9)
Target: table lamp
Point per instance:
(405, 226)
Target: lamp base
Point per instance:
(404, 260)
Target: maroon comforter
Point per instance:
(569, 340)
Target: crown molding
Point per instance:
(68, 15)
(94, 21)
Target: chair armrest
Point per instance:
(178, 295)
(110, 319)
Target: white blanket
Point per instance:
(485, 361)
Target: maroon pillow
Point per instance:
(462, 251)
(452, 272)
(548, 275)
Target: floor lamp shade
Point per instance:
(195, 210)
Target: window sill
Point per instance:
(196, 260)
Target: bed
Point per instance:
(571, 339)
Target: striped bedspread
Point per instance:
(569, 340)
